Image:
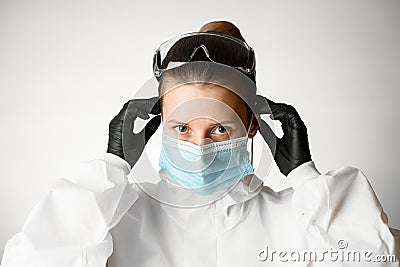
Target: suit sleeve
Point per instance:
(339, 211)
(70, 225)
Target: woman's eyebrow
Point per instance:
(175, 121)
(223, 122)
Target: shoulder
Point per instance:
(351, 182)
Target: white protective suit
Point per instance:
(103, 217)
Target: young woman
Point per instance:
(209, 208)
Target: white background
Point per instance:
(67, 67)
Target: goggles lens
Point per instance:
(207, 46)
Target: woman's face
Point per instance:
(205, 113)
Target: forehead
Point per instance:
(202, 99)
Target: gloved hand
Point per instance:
(292, 149)
(133, 144)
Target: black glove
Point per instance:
(292, 149)
(123, 123)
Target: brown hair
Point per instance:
(223, 27)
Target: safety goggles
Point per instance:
(205, 46)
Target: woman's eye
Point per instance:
(221, 130)
(181, 128)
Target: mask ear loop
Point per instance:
(251, 147)
(251, 152)
(255, 182)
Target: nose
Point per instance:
(201, 139)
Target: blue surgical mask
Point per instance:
(208, 168)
